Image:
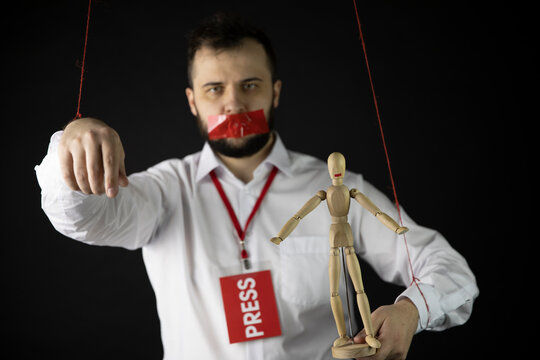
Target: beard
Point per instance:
(240, 147)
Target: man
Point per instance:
(175, 213)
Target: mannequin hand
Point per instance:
(92, 157)
(401, 230)
(276, 240)
(395, 326)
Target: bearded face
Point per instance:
(230, 82)
(238, 147)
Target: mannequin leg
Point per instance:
(363, 305)
(334, 269)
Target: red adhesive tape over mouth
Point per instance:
(237, 125)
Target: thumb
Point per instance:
(360, 338)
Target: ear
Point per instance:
(191, 100)
(277, 92)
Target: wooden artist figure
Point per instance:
(338, 198)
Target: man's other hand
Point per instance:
(394, 326)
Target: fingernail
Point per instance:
(111, 192)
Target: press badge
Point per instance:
(250, 306)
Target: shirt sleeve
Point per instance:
(445, 286)
(129, 220)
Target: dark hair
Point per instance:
(226, 31)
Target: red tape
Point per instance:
(237, 125)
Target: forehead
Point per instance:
(243, 61)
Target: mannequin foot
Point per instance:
(342, 340)
(371, 341)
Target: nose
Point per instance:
(233, 102)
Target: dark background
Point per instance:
(451, 81)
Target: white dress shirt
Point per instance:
(174, 213)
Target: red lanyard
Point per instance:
(242, 232)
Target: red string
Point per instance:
(78, 114)
(414, 278)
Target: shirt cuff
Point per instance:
(420, 296)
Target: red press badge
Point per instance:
(250, 306)
(237, 125)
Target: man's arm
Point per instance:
(72, 191)
(443, 275)
(446, 285)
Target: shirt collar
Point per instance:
(278, 157)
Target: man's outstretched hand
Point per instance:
(92, 157)
(395, 326)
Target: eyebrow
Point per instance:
(250, 79)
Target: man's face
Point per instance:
(232, 81)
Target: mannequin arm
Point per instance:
(382, 217)
(293, 222)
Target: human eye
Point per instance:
(214, 90)
(250, 86)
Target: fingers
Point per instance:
(360, 338)
(394, 326)
(66, 166)
(79, 169)
(114, 167)
(94, 168)
(110, 167)
(382, 352)
(92, 159)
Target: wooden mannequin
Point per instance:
(338, 199)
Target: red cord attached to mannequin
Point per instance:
(414, 278)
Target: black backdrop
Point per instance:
(449, 79)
